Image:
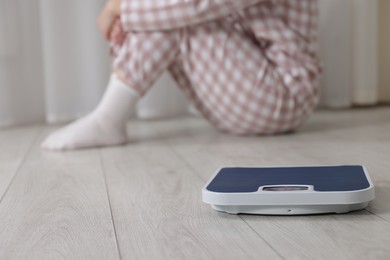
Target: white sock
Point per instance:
(105, 126)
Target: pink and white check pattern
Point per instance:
(250, 67)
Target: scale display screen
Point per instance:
(285, 188)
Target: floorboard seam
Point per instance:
(185, 162)
(386, 220)
(189, 166)
(24, 159)
(265, 241)
(109, 203)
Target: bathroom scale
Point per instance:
(290, 190)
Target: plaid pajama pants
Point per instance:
(248, 72)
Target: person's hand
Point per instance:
(117, 35)
(108, 17)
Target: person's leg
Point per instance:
(232, 83)
(137, 64)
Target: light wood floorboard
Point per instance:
(143, 200)
(57, 208)
(158, 214)
(14, 146)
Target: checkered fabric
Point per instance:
(250, 67)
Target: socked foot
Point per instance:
(88, 132)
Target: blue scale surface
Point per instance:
(323, 179)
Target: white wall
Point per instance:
(355, 36)
(21, 83)
(335, 46)
(384, 50)
(365, 52)
(76, 63)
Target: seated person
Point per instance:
(249, 66)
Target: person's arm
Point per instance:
(150, 15)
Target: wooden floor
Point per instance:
(143, 201)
